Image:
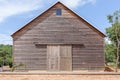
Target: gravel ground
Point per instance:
(59, 77)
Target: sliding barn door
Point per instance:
(65, 58)
(53, 55)
(59, 57)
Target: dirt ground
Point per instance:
(59, 77)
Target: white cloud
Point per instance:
(13, 7)
(5, 39)
(76, 3)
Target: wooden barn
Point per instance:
(58, 40)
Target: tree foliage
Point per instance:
(109, 53)
(113, 34)
(5, 55)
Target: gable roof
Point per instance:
(80, 18)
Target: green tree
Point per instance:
(113, 33)
(109, 53)
(5, 55)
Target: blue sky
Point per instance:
(14, 14)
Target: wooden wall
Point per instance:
(88, 57)
(53, 29)
(33, 57)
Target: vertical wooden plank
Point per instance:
(66, 58)
(59, 57)
(53, 58)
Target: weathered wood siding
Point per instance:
(88, 57)
(53, 29)
(33, 57)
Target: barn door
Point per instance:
(65, 58)
(53, 54)
(59, 57)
